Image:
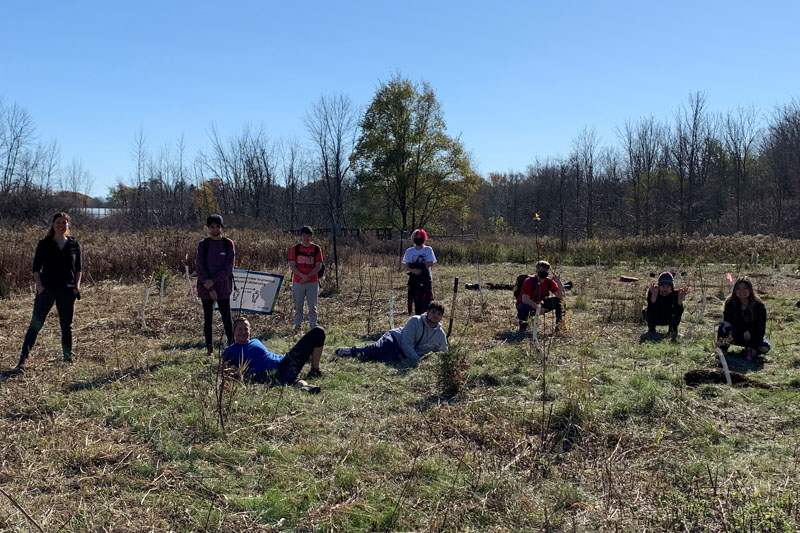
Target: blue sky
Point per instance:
(517, 80)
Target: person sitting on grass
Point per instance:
(421, 334)
(533, 296)
(256, 361)
(664, 306)
(744, 320)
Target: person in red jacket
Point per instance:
(534, 295)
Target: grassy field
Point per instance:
(601, 435)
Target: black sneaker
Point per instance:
(344, 352)
(17, 370)
(311, 389)
(523, 327)
(67, 358)
(314, 373)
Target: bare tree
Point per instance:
(687, 146)
(332, 125)
(17, 135)
(75, 178)
(741, 129)
(585, 150)
(643, 142)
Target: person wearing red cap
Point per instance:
(664, 306)
(418, 261)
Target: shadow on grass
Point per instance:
(510, 336)
(434, 400)
(5, 375)
(653, 337)
(117, 375)
(372, 337)
(737, 361)
(188, 345)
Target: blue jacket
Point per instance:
(254, 354)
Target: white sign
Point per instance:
(255, 292)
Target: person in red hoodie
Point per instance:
(534, 295)
(216, 256)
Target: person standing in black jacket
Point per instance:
(57, 267)
(744, 320)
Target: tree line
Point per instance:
(394, 164)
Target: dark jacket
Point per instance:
(664, 305)
(216, 265)
(752, 319)
(58, 268)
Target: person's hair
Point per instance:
(543, 264)
(306, 230)
(733, 298)
(214, 219)
(51, 232)
(419, 233)
(435, 306)
(240, 319)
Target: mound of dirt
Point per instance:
(699, 377)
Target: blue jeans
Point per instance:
(385, 349)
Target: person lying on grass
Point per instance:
(744, 320)
(664, 306)
(421, 334)
(255, 360)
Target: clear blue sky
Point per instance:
(517, 80)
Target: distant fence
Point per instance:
(97, 212)
(387, 234)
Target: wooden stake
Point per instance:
(453, 307)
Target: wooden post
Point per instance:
(453, 307)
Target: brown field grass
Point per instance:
(603, 435)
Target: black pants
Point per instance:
(291, 364)
(208, 315)
(655, 316)
(65, 304)
(549, 304)
(420, 293)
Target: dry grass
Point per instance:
(605, 437)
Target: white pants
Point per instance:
(302, 292)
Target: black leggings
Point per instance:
(291, 364)
(208, 315)
(65, 303)
(660, 316)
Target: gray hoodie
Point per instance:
(417, 338)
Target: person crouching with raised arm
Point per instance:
(664, 306)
